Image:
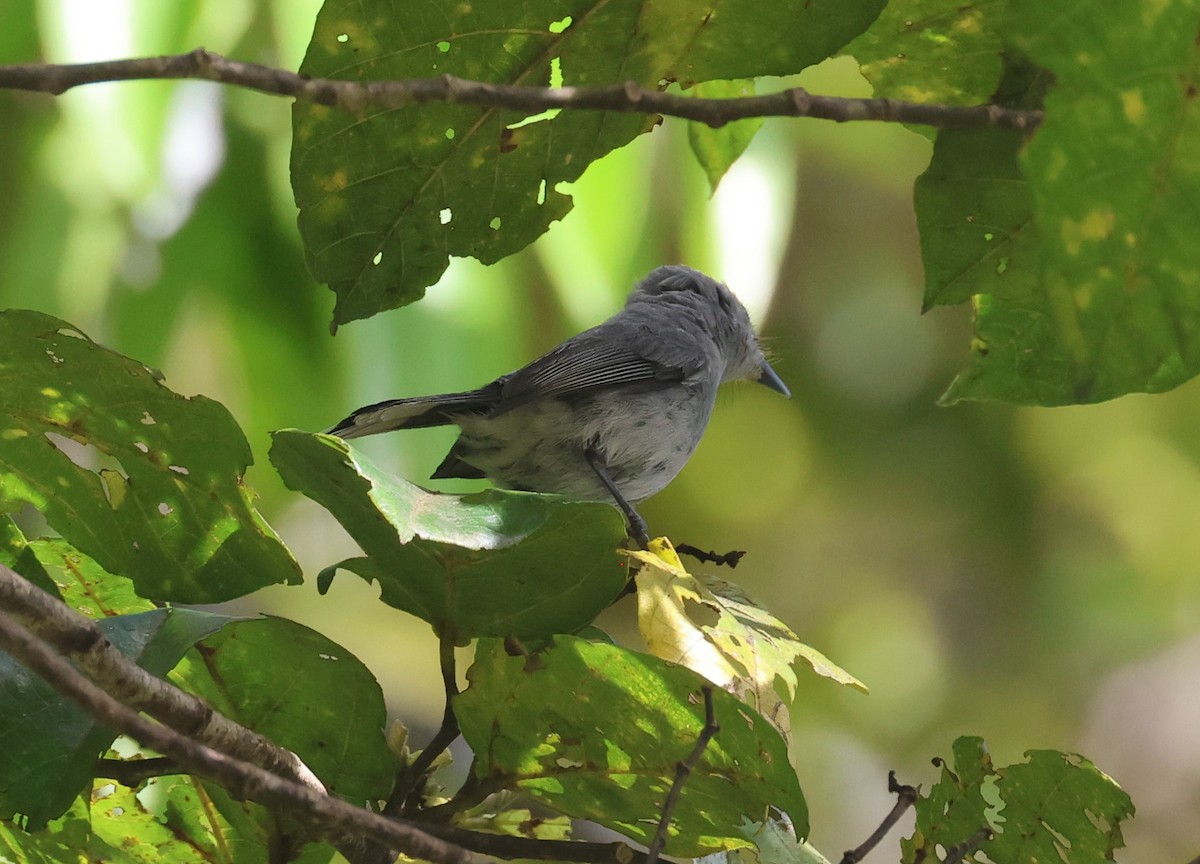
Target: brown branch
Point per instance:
(328, 816)
(682, 771)
(80, 640)
(135, 772)
(405, 798)
(906, 796)
(629, 97)
(956, 854)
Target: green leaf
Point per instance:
(1054, 807)
(955, 808)
(609, 751)
(302, 691)
(16, 554)
(173, 820)
(710, 626)
(717, 149)
(1067, 809)
(387, 195)
(166, 506)
(84, 585)
(1112, 172)
(493, 563)
(938, 52)
(48, 746)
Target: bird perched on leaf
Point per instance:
(613, 413)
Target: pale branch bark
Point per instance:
(326, 815)
(683, 770)
(906, 796)
(80, 640)
(356, 97)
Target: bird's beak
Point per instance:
(768, 378)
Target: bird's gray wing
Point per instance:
(581, 365)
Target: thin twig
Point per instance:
(629, 97)
(906, 796)
(729, 559)
(957, 853)
(405, 798)
(135, 772)
(327, 816)
(682, 771)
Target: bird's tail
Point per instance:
(415, 413)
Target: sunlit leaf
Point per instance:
(386, 196)
(711, 627)
(48, 746)
(144, 481)
(492, 563)
(16, 554)
(304, 692)
(596, 731)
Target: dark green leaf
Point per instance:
(1113, 175)
(386, 196)
(304, 692)
(596, 732)
(48, 746)
(717, 149)
(166, 506)
(493, 563)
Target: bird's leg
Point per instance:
(638, 529)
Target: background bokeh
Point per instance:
(1025, 575)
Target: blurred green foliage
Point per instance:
(1028, 575)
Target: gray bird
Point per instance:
(614, 412)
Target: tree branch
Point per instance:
(328, 816)
(629, 97)
(683, 770)
(906, 796)
(79, 639)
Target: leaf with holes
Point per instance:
(1053, 807)
(596, 731)
(387, 195)
(710, 626)
(146, 482)
(493, 563)
(49, 746)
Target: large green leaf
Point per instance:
(387, 195)
(143, 480)
(48, 746)
(941, 52)
(1110, 304)
(596, 731)
(493, 563)
(1054, 807)
(305, 693)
